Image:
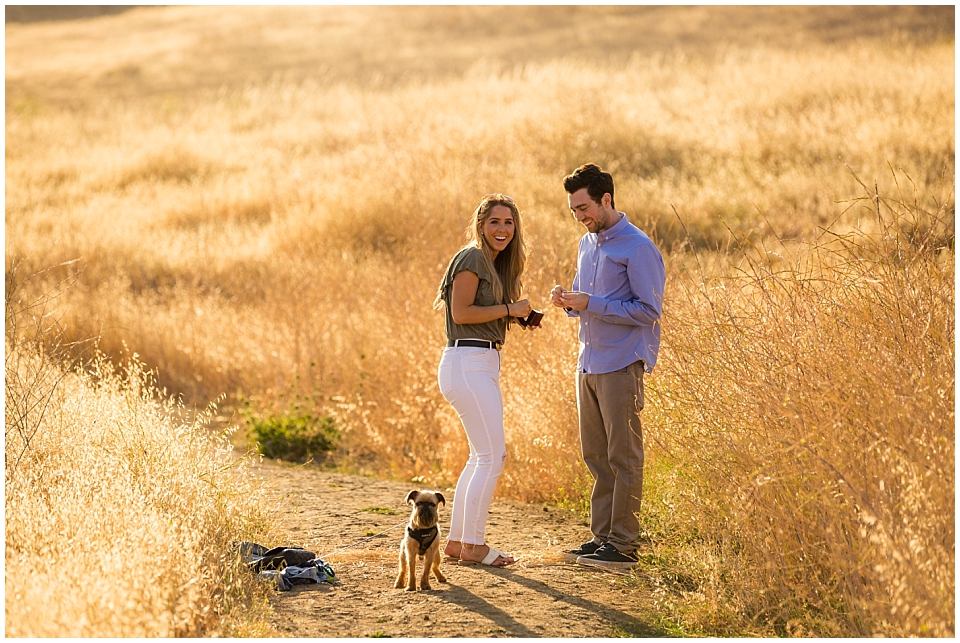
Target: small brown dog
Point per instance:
(422, 539)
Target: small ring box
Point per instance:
(533, 319)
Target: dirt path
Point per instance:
(540, 596)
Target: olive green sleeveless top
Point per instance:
(471, 259)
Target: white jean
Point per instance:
(469, 379)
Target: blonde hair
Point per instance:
(508, 267)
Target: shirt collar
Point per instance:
(615, 229)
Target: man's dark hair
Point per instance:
(593, 178)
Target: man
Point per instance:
(618, 297)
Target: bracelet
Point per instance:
(508, 309)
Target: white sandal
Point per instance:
(488, 560)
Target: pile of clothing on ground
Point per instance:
(286, 566)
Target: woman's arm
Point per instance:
(465, 285)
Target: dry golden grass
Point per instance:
(805, 413)
(264, 226)
(120, 520)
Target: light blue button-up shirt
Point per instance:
(622, 271)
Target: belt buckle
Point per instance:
(497, 345)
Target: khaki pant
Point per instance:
(612, 445)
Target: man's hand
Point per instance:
(556, 296)
(572, 299)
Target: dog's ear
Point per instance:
(412, 496)
(440, 499)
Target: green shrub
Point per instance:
(293, 435)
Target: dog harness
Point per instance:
(423, 536)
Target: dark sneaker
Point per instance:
(608, 556)
(571, 555)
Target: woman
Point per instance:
(480, 293)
